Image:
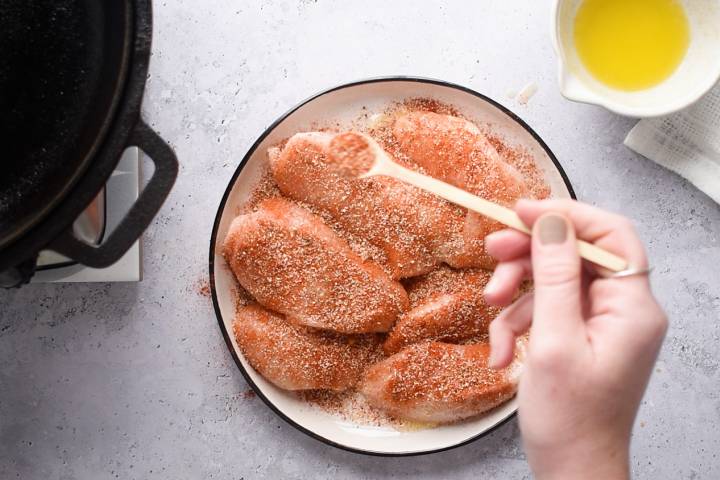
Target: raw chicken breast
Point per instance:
(445, 305)
(416, 230)
(438, 382)
(297, 358)
(293, 263)
(454, 150)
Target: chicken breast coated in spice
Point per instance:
(446, 305)
(294, 264)
(297, 358)
(416, 230)
(454, 150)
(438, 382)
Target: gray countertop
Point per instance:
(135, 381)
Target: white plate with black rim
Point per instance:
(343, 104)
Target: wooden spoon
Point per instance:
(369, 159)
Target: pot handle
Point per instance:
(140, 214)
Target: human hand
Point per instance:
(593, 342)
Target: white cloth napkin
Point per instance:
(687, 142)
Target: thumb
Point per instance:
(557, 277)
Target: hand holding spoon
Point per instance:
(365, 158)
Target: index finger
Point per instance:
(610, 231)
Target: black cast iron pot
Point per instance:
(72, 75)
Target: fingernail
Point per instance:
(552, 229)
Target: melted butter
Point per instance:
(412, 426)
(631, 44)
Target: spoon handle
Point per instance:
(504, 215)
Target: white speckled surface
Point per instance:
(135, 381)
